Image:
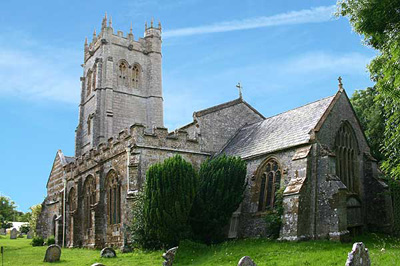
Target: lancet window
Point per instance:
(135, 76)
(113, 198)
(346, 149)
(270, 179)
(122, 74)
(72, 200)
(89, 82)
(89, 200)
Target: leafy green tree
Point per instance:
(370, 112)
(378, 21)
(36, 210)
(7, 211)
(168, 197)
(222, 184)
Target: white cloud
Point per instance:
(313, 15)
(44, 75)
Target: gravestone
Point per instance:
(53, 253)
(13, 233)
(3, 231)
(29, 234)
(98, 264)
(358, 256)
(108, 253)
(169, 256)
(246, 261)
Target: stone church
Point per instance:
(317, 153)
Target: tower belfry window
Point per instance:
(122, 74)
(135, 77)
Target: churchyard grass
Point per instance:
(262, 251)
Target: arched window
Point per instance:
(89, 82)
(113, 198)
(346, 156)
(122, 74)
(89, 199)
(270, 179)
(72, 200)
(135, 76)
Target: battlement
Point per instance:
(137, 136)
(108, 36)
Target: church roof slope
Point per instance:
(278, 132)
(225, 105)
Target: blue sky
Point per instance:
(285, 53)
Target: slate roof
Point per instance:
(278, 132)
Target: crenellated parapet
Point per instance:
(150, 43)
(137, 136)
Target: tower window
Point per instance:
(122, 74)
(269, 180)
(135, 77)
(89, 82)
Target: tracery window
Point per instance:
(135, 76)
(89, 82)
(89, 200)
(72, 200)
(270, 182)
(346, 156)
(113, 198)
(122, 74)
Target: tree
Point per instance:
(370, 112)
(379, 22)
(7, 211)
(222, 184)
(168, 197)
(36, 210)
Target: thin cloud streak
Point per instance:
(313, 15)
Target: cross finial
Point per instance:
(340, 83)
(239, 86)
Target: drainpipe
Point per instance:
(65, 188)
(128, 158)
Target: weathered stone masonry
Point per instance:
(317, 153)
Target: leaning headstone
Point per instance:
(29, 235)
(3, 231)
(53, 253)
(98, 264)
(246, 261)
(13, 233)
(21, 235)
(358, 256)
(169, 256)
(108, 253)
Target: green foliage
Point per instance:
(36, 210)
(394, 186)
(50, 241)
(24, 229)
(379, 22)
(222, 183)
(169, 193)
(273, 219)
(37, 241)
(370, 112)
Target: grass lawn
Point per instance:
(263, 252)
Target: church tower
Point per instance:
(121, 84)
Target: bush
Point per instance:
(168, 196)
(273, 219)
(222, 183)
(37, 241)
(24, 229)
(51, 240)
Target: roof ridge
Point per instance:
(217, 107)
(301, 106)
